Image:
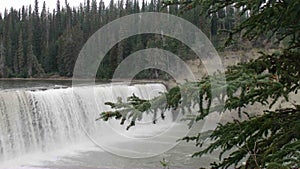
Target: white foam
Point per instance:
(49, 124)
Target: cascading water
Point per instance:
(44, 120)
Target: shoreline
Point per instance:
(35, 79)
(168, 83)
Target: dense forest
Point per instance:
(45, 43)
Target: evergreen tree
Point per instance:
(45, 37)
(143, 9)
(16, 64)
(87, 20)
(101, 13)
(37, 41)
(8, 32)
(3, 73)
(29, 60)
(29, 56)
(58, 20)
(20, 55)
(214, 28)
(69, 47)
(94, 17)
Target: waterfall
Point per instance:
(44, 120)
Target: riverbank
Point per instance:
(36, 79)
(228, 58)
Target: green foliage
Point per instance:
(164, 163)
(69, 47)
(55, 53)
(264, 139)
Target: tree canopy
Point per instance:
(268, 138)
(51, 32)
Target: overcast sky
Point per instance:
(51, 4)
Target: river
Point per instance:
(45, 124)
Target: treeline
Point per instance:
(43, 43)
